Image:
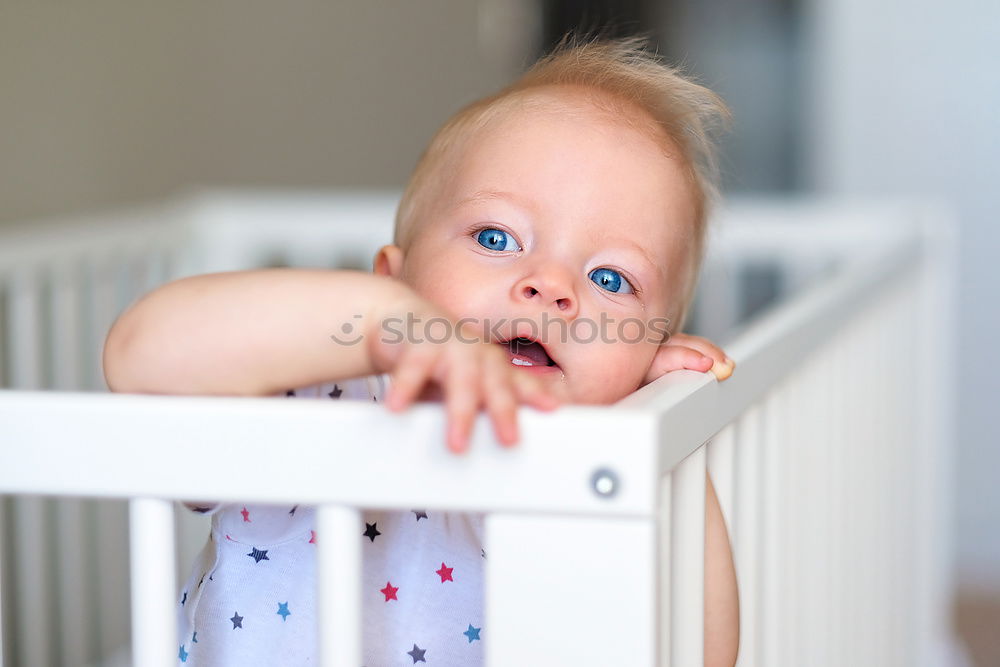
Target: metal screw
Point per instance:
(605, 482)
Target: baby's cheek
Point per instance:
(619, 376)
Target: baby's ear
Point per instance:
(388, 261)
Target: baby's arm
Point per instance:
(722, 604)
(260, 333)
(245, 332)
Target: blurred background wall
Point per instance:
(113, 101)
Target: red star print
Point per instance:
(445, 573)
(312, 537)
(389, 591)
(246, 515)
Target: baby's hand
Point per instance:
(693, 353)
(469, 374)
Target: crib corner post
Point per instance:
(566, 590)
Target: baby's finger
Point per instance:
(409, 377)
(461, 401)
(501, 401)
(675, 357)
(531, 391)
(703, 345)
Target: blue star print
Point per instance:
(258, 555)
(472, 633)
(417, 654)
(283, 611)
(182, 654)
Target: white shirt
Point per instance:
(251, 600)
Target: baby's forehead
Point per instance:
(571, 105)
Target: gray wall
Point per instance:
(111, 101)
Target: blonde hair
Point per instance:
(622, 77)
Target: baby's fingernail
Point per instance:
(394, 401)
(730, 362)
(456, 440)
(722, 371)
(510, 435)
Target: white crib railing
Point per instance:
(827, 449)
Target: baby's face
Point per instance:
(566, 229)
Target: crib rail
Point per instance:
(826, 449)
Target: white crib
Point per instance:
(828, 449)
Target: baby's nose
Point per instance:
(547, 291)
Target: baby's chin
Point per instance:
(596, 392)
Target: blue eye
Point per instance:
(496, 239)
(611, 280)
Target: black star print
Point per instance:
(371, 531)
(184, 599)
(237, 620)
(289, 393)
(201, 510)
(201, 581)
(417, 654)
(421, 514)
(337, 391)
(483, 552)
(258, 555)
(292, 511)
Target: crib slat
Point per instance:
(770, 623)
(4, 630)
(838, 399)
(795, 503)
(688, 561)
(72, 564)
(567, 590)
(665, 563)
(721, 458)
(822, 529)
(66, 330)
(32, 590)
(339, 585)
(100, 313)
(111, 528)
(154, 633)
(74, 583)
(746, 533)
(24, 317)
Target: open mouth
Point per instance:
(528, 353)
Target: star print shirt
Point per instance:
(251, 595)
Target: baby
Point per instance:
(576, 196)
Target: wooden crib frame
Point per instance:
(828, 447)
